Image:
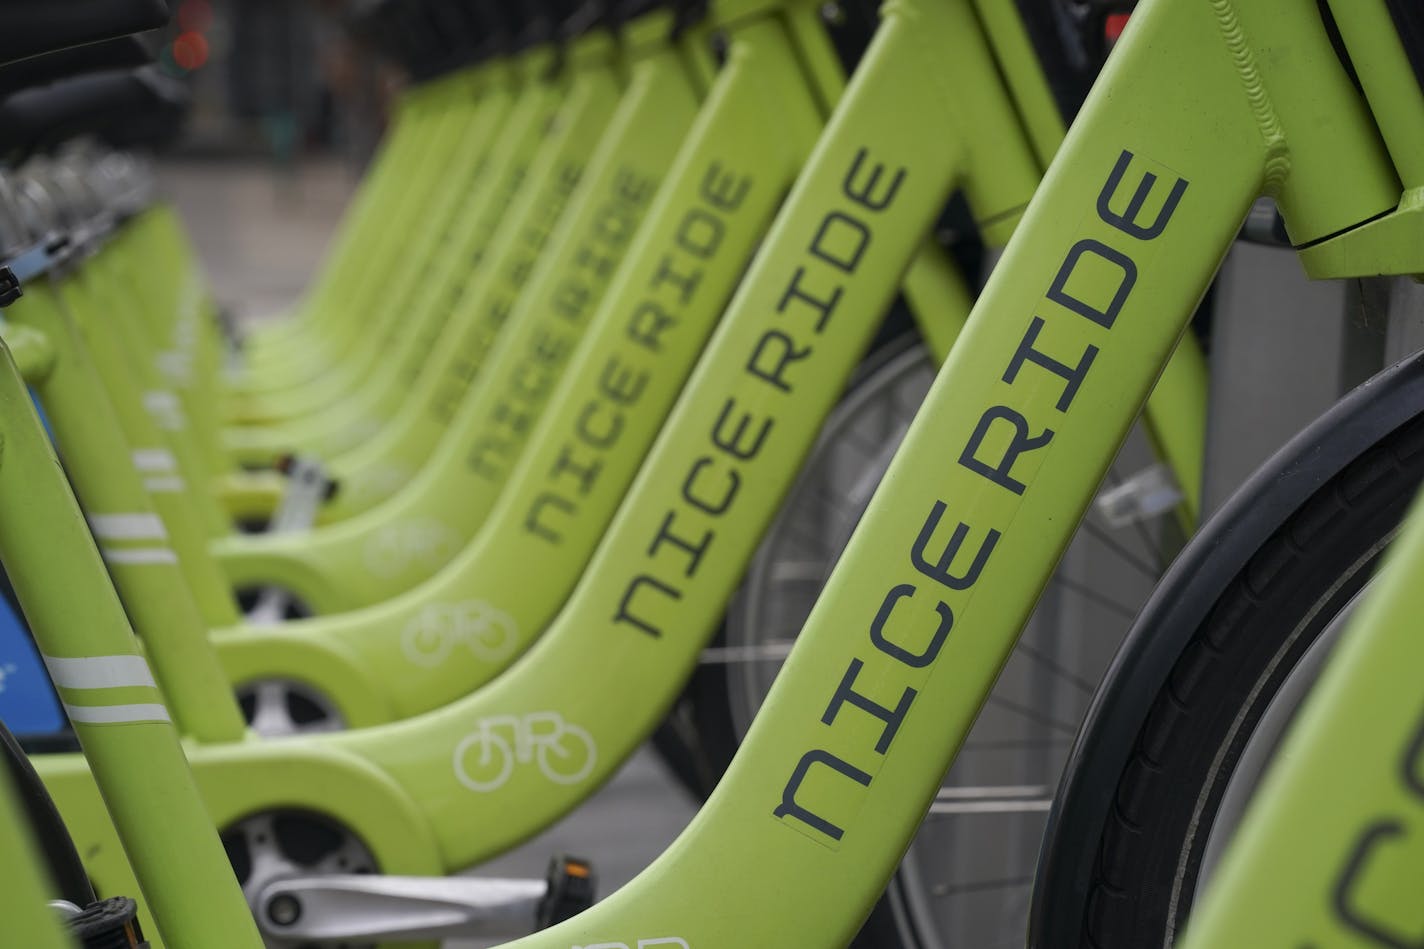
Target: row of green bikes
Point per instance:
(819, 390)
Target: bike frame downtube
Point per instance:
(134, 538)
(162, 376)
(109, 693)
(91, 304)
(1175, 416)
(1060, 353)
(184, 330)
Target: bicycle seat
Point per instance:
(33, 27)
(47, 115)
(124, 52)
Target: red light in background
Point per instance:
(1117, 22)
(190, 50)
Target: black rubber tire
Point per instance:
(1259, 627)
(66, 870)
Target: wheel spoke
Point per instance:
(1005, 799)
(1053, 665)
(980, 886)
(270, 717)
(1088, 593)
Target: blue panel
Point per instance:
(27, 702)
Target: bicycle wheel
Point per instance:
(966, 879)
(1236, 678)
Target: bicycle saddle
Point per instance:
(125, 52)
(33, 27)
(44, 116)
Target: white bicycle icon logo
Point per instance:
(485, 759)
(434, 633)
(396, 546)
(642, 944)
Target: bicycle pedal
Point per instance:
(107, 924)
(1148, 494)
(571, 890)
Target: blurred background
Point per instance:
(287, 109)
(276, 79)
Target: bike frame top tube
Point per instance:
(1202, 107)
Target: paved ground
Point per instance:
(261, 237)
(260, 234)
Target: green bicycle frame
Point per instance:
(730, 176)
(109, 693)
(399, 543)
(135, 542)
(151, 419)
(743, 421)
(1202, 107)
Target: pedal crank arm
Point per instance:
(362, 907)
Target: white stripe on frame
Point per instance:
(115, 714)
(99, 672)
(154, 460)
(141, 555)
(128, 527)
